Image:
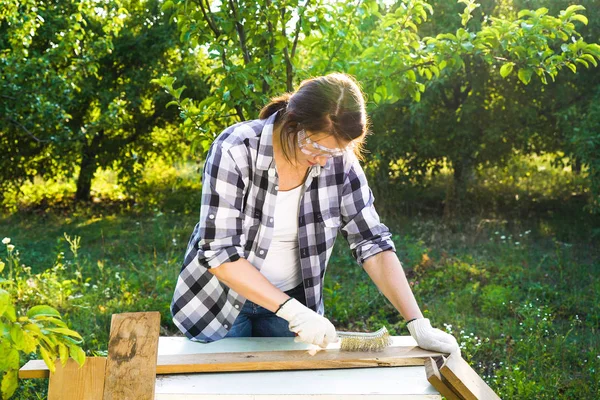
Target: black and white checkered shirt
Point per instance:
(239, 190)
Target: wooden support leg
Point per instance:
(132, 353)
(75, 383)
(465, 381)
(436, 380)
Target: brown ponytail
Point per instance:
(331, 104)
(276, 104)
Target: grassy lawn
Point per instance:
(517, 282)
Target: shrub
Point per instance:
(39, 330)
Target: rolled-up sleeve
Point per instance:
(361, 225)
(220, 235)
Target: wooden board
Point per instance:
(34, 369)
(389, 383)
(434, 377)
(132, 351)
(269, 361)
(290, 360)
(78, 383)
(394, 383)
(465, 381)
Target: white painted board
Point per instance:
(397, 383)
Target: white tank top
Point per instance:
(282, 264)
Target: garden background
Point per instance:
(484, 160)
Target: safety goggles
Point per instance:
(311, 148)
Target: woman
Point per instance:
(275, 193)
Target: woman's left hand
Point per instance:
(430, 338)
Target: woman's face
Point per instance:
(308, 155)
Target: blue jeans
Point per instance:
(256, 321)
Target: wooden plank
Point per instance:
(78, 383)
(34, 369)
(290, 360)
(395, 383)
(132, 350)
(434, 377)
(269, 361)
(465, 381)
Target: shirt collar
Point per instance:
(264, 159)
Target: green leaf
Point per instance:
(417, 96)
(29, 342)
(65, 331)
(168, 4)
(506, 69)
(4, 301)
(582, 61)
(63, 352)
(581, 18)
(9, 357)
(377, 98)
(77, 354)
(1, 267)
(525, 75)
(593, 49)
(177, 92)
(48, 359)
(16, 334)
(13, 359)
(42, 310)
(467, 46)
(368, 51)
(44, 322)
(374, 6)
(9, 384)
(571, 66)
(590, 58)
(574, 8)
(524, 13)
(10, 313)
(389, 21)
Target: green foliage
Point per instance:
(77, 79)
(459, 67)
(28, 329)
(581, 120)
(494, 299)
(444, 74)
(164, 186)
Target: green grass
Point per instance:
(516, 282)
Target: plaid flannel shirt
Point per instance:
(239, 190)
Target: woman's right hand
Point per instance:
(311, 327)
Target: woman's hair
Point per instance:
(331, 104)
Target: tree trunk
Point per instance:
(456, 193)
(88, 168)
(576, 167)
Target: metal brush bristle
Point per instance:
(365, 341)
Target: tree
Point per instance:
(253, 49)
(77, 76)
(461, 75)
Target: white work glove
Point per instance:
(430, 338)
(311, 327)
